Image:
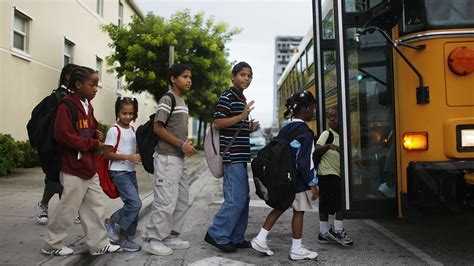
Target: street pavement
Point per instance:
(374, 244)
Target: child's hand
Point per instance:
(134, 158)
(188, 148)
(333, 147)
(314, 193)
(99, 135)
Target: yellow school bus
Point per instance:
(401, 74)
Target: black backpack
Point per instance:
(272, 171)
(317, 156)
(40, 129)
(147, 139)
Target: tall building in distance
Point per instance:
(285, 46)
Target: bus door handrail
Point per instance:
(422, 92)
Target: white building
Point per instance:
(285, 47)
(37, 38)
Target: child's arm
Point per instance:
(228, 121)
(304, 162)
(185, 145)
(109, 154)
(66, 134)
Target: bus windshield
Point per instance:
(450, 13)
(420, 15)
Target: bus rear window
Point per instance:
(420, 15)
(450, 13)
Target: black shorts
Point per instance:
(329, 194)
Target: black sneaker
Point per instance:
(243, 244)
(324, 239)
(340, 237)
(228, 248)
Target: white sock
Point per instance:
(262, 235)
(338, 226)
(323, 227)
(295, 243)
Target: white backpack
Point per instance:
(211, 150)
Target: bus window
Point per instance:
(360, 5)
(328, 19)
(330, 80)
(447, 13)
(370, 117)
(421, 15)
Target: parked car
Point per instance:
(257, 142)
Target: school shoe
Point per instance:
(325, 239)
(303, 253)
(111, 232)
(261, 246)
(77, 220)
(107, 249)
(156, 247)
(243, 244)
(228, 248)
(41, 213)
(57, 252)
(340, 237)
(176, 243)
(129, 245)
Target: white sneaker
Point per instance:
(156, 247)
(41, 213)
(261, 246)
(303, 254)
(176, 243)
(58, 252)
(77, 220)
(107, 249)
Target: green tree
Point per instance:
(140, 54)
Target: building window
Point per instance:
(98, 66)
(68, 48)
(120, 15)
(99, 8)
(21, 28)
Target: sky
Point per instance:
(261, 21)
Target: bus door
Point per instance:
(366, 113)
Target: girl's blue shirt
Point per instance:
(302, 147)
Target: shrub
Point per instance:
(10, 156)
(104, 128)
(29, 158)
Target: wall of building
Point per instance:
(25, 79)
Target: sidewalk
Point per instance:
(21, 237)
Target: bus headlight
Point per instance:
(465, 137)
(415, 141)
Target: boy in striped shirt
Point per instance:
(230, 222)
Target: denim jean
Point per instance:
(230, 222)
(127, 216)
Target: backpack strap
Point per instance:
(72, 109)
(173, 105)
(118, 138)
(330, 138)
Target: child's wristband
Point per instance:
(181, 144)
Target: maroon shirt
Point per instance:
(75, 138)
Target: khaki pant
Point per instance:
(170, 197)
(85, 197)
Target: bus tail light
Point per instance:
(461, 61)
(415, 141)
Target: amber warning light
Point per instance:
(461, 61)
(415, 141)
